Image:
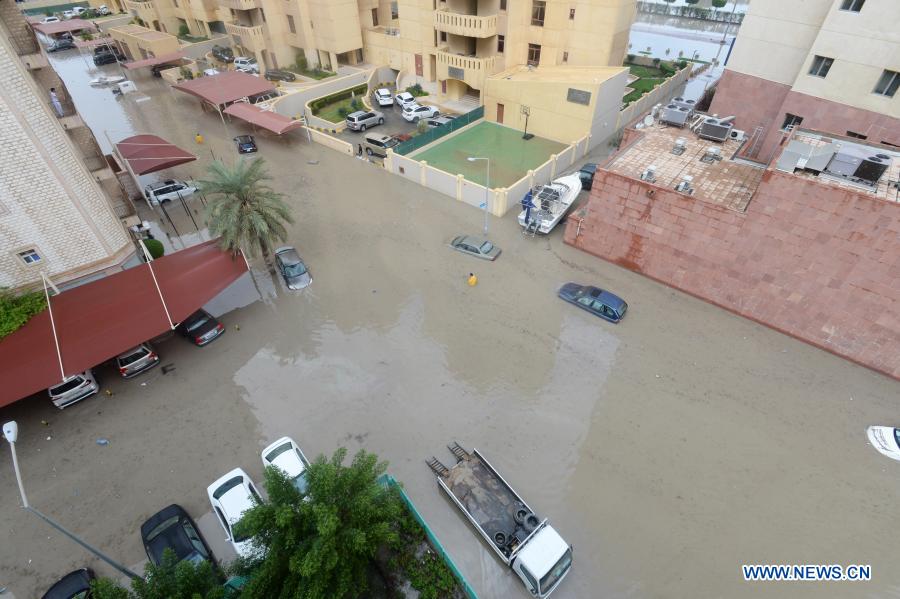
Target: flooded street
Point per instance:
(669, 449)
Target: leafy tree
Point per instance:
(719, 3)
(321, 546)
(169, 580)
(154, 247)
(247, 213)
(16, 310)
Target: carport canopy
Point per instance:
(153, 61)
(99, 320)
(63, 26)
(225, 88)
(148, 153)
(274, 122)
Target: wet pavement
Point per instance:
(394, 124)
(669, 449)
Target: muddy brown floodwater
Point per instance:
(669, 449)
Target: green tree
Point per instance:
(154, 247)
(243, 210)
(169, 580)
(719, 3)
(16, 310)
(321, 546)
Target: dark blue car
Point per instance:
(245, 144)
(598, 302)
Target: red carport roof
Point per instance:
(101, 319)
(149, 62)
(63, 26)
(274, 122)
(226, 87)
(149, 153)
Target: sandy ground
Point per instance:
(669, 449)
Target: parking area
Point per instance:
(394, 124)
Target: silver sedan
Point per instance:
(475, 246)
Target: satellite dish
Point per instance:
(648, 120)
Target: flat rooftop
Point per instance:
(560, 74)
(722, 182)
(141, 32)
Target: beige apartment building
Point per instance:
(828, 65)
(60, 204)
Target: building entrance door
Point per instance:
(500, 108)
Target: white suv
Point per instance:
(243, 63)
(167, 191)
(413, 112)
(383, 97)
(74, 388)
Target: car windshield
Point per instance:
(557, 571)
(134, 356)
(270, 457)
(67, 386)
(486, 247)
(295, 270)
(202, 320)
(622, 309)
(227, 486)
(162, 527)
(244, 139)
(391, 143)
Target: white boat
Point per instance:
(545, 205)
(106, 80)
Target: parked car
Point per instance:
(361, 120)
(168, 190)
(263, 97)
(377, 145)
(222, 54)
(475, 246)
(211, 72)
(231, 496)
(74, 585)
(243, 62)
(61, 44)
(279, 75)
(172, 528)
(885, 440)
(109, 48)
(383, 97)
(415, 112)
(136, 360)
(103, 10)
(67, 14)
(78, 10)
(247, 70)
(292, 268)
(245, 144)
(287, 455)
(586, 174)
(404, 98)
(201, 327)
(50, 19)
(73, 389)
(438, 121)
(598, 302)
(103, 58)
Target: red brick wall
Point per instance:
(813, 261)
(754, 101)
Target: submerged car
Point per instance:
(361, 120)
(246, 63)
(245, 144)
(279, 75)
(292, 268)
(598, 302)
(415, 112)
(73, 389)
(74, 585)
(223, 54)
(475, 246)
(287, 455)
(885, 440)
(231, 496)
(61, 44)
(168, 190)
(201, 328)
(136, 360)
(383, 96)
(172, 528)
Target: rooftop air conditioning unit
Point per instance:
(689, 104)
(737, 135)
(684, 186)
(872, 168)
(712, 154)
(675, 115)
(680, 146)
(715, 129)
(649, 174)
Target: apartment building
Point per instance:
(828, 65)
(202, 18)
(61, 204)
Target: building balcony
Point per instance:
(134, 6)
(239, 4)
(250, 37)
(468, 25)
(471, 69)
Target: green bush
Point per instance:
(154, 248)
(629, 58)
(356, 104)
(682, 63)
(319, 103)
(656, 62)
(719, 3)
(302, 64)
(416, 90)
(343, 112)
(183, 30)
(16, 310)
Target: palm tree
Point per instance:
(243, 210)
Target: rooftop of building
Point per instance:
(142, 32)
(560, 74)
(721, 181)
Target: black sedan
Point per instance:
(279, 75)
(245, 144)
(104, 58)
(201, 328)
(172, 528)
(61, 44)
(74, 585)
(598, 302)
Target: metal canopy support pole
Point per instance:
(155, 282)
(62, 371)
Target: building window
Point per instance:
(291, 24)
(565, 57)
(820, 66)
(571, 14)
(501, 43)
(534, 54)
(853, 5)
(792, 121)
(502, 4)
(395, 11)
(538, 7)
(29, 256)
(374, 17)
(856, 135)
(443, 36)
(887, 85)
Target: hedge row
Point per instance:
(319, 103)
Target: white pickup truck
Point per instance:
(525, 543)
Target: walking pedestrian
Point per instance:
(472, 280)
(54, 100)
(359, 152)
(198, 138)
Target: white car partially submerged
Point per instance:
(885, 440)
(231, 496)
(383, 97)
(287, 455)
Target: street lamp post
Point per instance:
(487, 189)
(11, 432)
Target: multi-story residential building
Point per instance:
(61, 203)
(828, 65)
(202, 18)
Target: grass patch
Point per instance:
(336, 112)
(642, 71)
(311, 73)
(640, 87)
